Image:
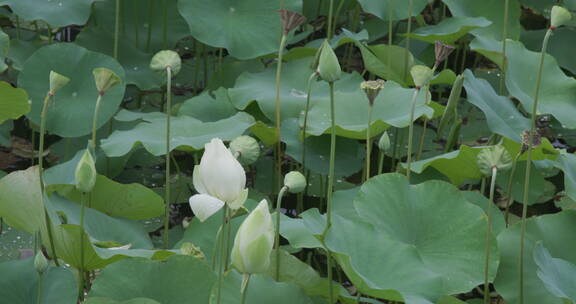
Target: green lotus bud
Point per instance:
(559, 16)
(295, 181)
(493, 157)
(384, 142)
(105, 79)
(85, 173)
(57, 82)
(166, 59)
(254, 240)
(40, 262)
(246, 149)
(421, 75)
(372, 88)
(328, 65)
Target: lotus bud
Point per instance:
(372, 88)
(442, 51)
(328, 65)
(166, 59)
(421, 75)
(295, 181)
(290, 20)
(40, 262)
(105, 79)
(384, 142)
(57, 82)
(254, 241)
(246, 149)
(559, 17)
(493, 157)
(85, 174)
(219, 179)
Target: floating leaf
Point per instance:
(14, 102)
(558, 275)
(449, 30)
(57, 13)
(381, 8)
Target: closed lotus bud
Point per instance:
(493, 157)
(421, 75)
(559, 16)
(372, 88)
(295, 181)
(219, 179)
(442, 51)
(166, 59)
(254, 241)
(246, 149)
(85, 174)
(384, 142)
(290, 20)
(57, 82)
(40, 262)
(105, 79)
(328, 65)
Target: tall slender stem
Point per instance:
(277, 236)
(244, 288)
(165, 24)
(408, 31)
(509, 189)
(529, 162)
(117, 29)
(81, 269)
(329, 33)
(41, 174)
(488, 234)
(390, 37)
(278, 110)
(168, 140)
(95, 120)
(221, 256)
(411, 132)
(504, 37)
(368, 142)
(305, 124)
(149, 29)
(39, 293)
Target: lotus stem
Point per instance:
(94, 121)
(278, 110)
(221, 255)
(529, 161)
(149, 32)
(165, 24)
(368, 142)
(411, 132)
(83, 196)
(509, 189)
(380, 162)
(39, 293)
(488, 234)
(305, 124)
(504, 58)
(168, 140)
(329, 33)
(277, 235)
(244, 287)
(408, 31)
(116, 29)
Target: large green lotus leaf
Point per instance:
(399, 245)
(553, 231)
(102, 227)
(476, 198)
(15, 244)
(391, 107)
(459, 165)
(501, 114)
(74, 104)
(57, 13)
(559, 276)
(381, 8)
(386, 61)
(187, 132)
(246, 28)
(206, 107)
(19, 281)
(545, 151)
(99, 300)
(492, 10)
(564, 40)
(262, 290)
(20, 51)
(449, 30)
(261, 87)
(4, 47)
(537, 183)
(557, 89)
(567, 163)
(14, 102)
(20, 203)
(179, 279)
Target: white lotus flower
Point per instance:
(254, 241)
(220, 179)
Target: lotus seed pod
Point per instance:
(384, 142)
(372, 88)
(290, 20)
(526, 138)
(40, 262)
(105, 79)
(85, 174)
(421, 75)
(57, 82)
(295, 181)
(164, 59)
(442, 51)
(328, 65)
(246, 149)
(493, 157)
(559, 16)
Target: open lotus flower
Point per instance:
(219, 179)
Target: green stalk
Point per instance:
(49, 95)
(149, 33)
(390, 33)
(488, 234)
(168, 139)
(17, 27)
(278, 109)
(165, 25)
(94, 120)
(509, 189)
(39, 295)
(336, 16)
(81, 269)
(368, 142)
(394, 149)
(529, 162)
(305, 125)
(408, 31)
(244, 288)
(277, 236)
(380, 161)
(117, 29)
(504, 59)
(221, 254)
(329, 33)
(411, 132)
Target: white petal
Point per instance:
(222, 175)
(204, 205)
(197, 181)
(239, 201)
